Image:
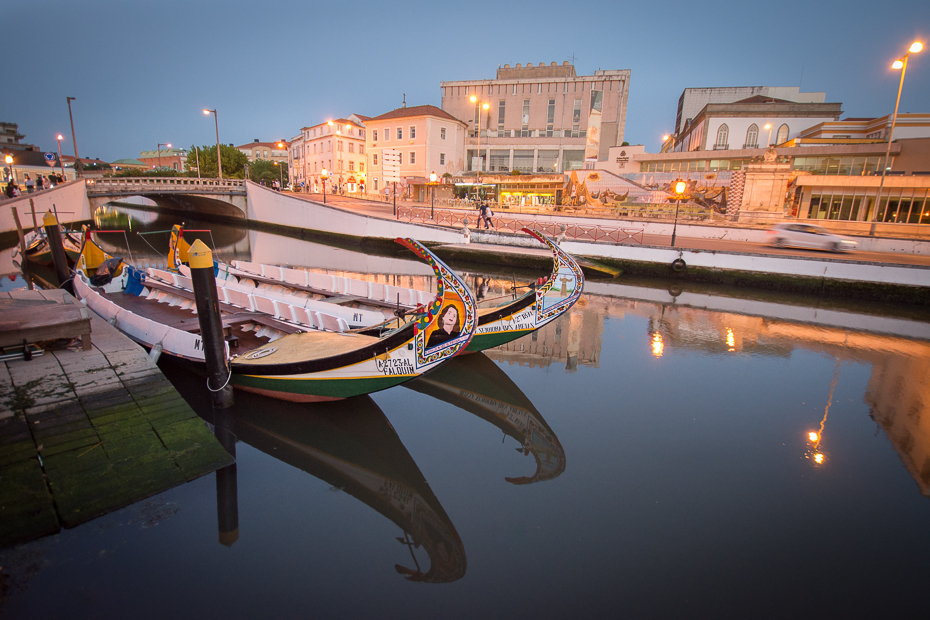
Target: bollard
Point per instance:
(211, 324)
(57, 248)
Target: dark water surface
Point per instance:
(647, 457)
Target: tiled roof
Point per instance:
(417, 110)
(270, 145)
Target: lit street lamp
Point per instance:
(219, 162)
(769, 127)
(432, 199)
(9, 162)
(159, 152)
(324, 175)
(680, 187)
(280, 173)
(61, 163)
(901, 64)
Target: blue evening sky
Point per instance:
(142, 72)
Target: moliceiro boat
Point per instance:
(364, 305)
(274, 357)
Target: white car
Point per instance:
(800, 235)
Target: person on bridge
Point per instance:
(10, 190)
(30, 185)
(485, 214)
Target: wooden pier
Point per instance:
(83, 433)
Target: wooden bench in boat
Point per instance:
(231, 314)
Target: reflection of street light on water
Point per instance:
(658, 347)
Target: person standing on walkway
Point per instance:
(30, 185)
(485, 214)
(10, 190)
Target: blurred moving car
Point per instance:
(808, 236)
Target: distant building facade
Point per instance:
(336, 145)
(539, 119)
(693, 100)
(427, 138)
(267, 151)
(166, 158)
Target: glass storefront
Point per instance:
(908, 206)
(855, 166)
(572, 160)
(500, 161)
(547, 161)
(523, 161)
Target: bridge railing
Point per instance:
(110, 185)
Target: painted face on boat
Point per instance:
(450, 319)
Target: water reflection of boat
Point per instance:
(477, 385)
(352, 446)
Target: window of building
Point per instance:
(351, 147)
(514, 90)
(413, 132)
(442, 159)
(361, 149)
(374, 159)
(339, 145)
(400, 133)
(351, 165)
(539, 88)
(723, 134)
(339, 165)
(576, 115)
(314, 147)
(376, 183)
(442, 133)
(525, 118)
(413, 157)
(752, 137)
(782, 136)
(361, 166)
(374, 135)
(500, 114)
(329, 146)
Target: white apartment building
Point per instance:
(428, 140)
(338, 146)
(541, 118)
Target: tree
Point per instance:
(267, 170)
(234, 161)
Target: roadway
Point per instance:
(357, 205)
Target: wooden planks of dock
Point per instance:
(83, 433)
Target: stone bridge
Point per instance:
(218, 196)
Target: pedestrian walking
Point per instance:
(30, 185)
(485, 214)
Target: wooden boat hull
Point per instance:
(303, 366)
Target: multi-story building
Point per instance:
(427, 138)
(338, 146)
(693, 100)
(541, 118)
(268, 151)
(165, 158)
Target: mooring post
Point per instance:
(57, 248)
(211, 324)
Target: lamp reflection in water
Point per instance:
(658, 347)
(731, 340)
(815, 437)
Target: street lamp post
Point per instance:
(679, 190)
(61, 164)
(158, 149)
(901, 64)
(432, 199)
(323, 176)
(70, 99)
(280, 173)
(219, 161)
(482, 106)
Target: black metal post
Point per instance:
(675, 227)
(432, 199)
(211, 324)
(395, 200)
(57, 248)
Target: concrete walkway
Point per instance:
(83, 433)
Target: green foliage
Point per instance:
(267, 170)
(515, 173)
(97, 165)
(233, 161)
(161, 172)
(625, 144)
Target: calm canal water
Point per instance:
(648, 456)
